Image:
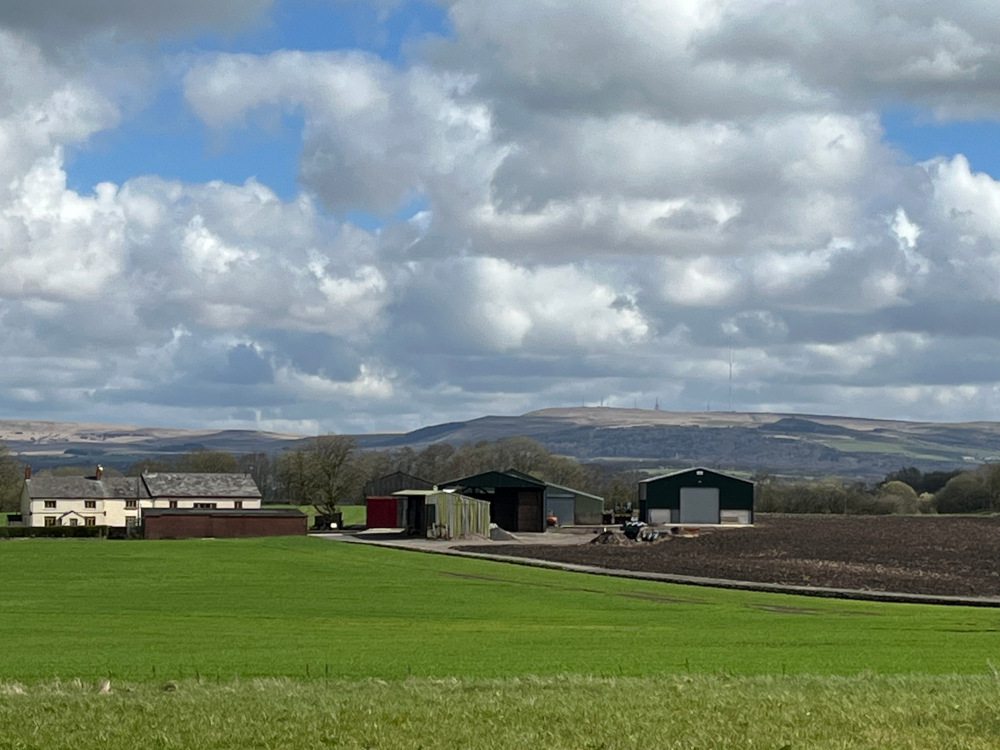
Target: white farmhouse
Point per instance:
(80, 501)
(119, 501)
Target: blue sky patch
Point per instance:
(923, 138)
(167, 139)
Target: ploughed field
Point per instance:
(958, 556)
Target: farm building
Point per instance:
(398, 480)
(383, 509)
(517, 502)
(567, 505)
(696, 496)
(187, 523)
(443, 515)
(80, 501)
(99, 500)
(200, 491)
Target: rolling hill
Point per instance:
(790, 444)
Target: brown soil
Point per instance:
(958, 556)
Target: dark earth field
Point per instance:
(958, 556)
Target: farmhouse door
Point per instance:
(699, 504)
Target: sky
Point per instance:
(342, 216)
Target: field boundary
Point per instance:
(723, 583)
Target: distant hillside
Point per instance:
(791, 444)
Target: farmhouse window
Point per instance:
(90, 521)
(89, 503)
(131, 503)
(238, 504)
(74, 522)
(173, 503)
(129, 521)
(51, 521)
(205, 506)
(50, 503)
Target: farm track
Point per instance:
(932, 555)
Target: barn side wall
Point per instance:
(222, 525)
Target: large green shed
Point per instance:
(569, 506)
(696, 496)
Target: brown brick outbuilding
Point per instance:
(185, 524)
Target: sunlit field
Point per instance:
(302, 641)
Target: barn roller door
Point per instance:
(563, 508)
(699, 504)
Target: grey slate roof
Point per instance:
(72, 488)
(164, 484)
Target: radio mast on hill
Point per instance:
(730, 377)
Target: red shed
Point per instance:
(383, 512)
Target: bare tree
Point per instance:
(11, 479)
(262, 468)
(294, 476)
(204, 461)
(334, 473)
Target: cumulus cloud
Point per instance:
(549, 206)
(374, 137)
(62, 19)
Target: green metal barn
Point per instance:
(568, 505)
(696, 496)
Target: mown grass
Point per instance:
(218, 609)
(698, 711)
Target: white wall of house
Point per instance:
(63, 511)
(114, 511)
(208, 503)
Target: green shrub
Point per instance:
(965, 493)
(50, 532)
(901, 496)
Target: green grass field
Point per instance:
(367, 647)
(273, 607)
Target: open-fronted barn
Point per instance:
(384, 509)
(567, 505)
(696, 496)
(516, 501)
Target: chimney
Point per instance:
(100, 470)
(27, 472)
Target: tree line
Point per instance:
(906, 491)
(330, 470)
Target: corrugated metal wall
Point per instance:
(458, 515)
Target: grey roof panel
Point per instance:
(71, 488)
(173, 484)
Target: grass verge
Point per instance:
(702, 711)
